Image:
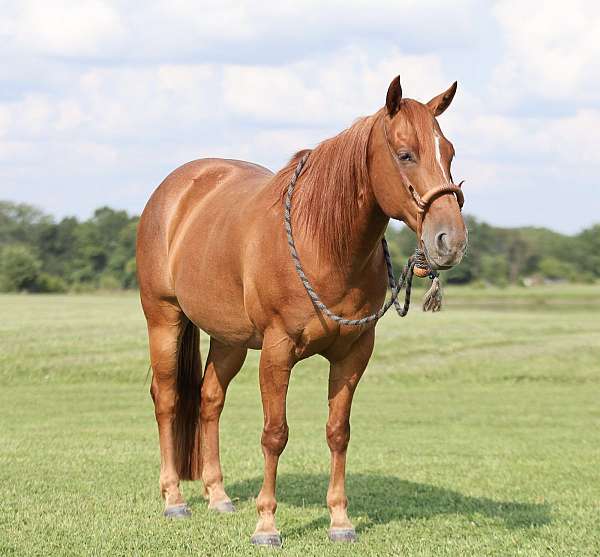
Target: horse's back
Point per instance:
(185, 188)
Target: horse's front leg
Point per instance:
(344, 375)
(276, 362)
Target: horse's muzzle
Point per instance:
(445, 248)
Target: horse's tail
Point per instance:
(186, 423)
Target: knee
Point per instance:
(338, 436)
(274, 438)
(211, 405)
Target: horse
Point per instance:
(212, 255)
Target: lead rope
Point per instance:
(433, 297)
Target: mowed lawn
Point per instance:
(475, 431)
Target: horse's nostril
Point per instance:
(441, 243)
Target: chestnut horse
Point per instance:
(212, 254)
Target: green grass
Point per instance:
(474, 432)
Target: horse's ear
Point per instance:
(442, 102)
(394, 96)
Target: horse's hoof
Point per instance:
(178, 511)
(266, 540)
(224, 507)
(342, 535)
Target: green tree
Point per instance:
(57, 246)
(104, 244)
(121, 263)
(19, 267)
(494, 269)
(21, 223)
(587, 251)
(46, 255)
(553, 268)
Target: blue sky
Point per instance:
(99, 101)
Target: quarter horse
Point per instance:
(212, 254)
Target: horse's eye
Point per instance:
(405, 156)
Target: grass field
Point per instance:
(475, 431)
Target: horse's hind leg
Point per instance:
(166, 323)
(223, 363)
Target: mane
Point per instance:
(327, 196)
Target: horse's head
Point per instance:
(413, 181)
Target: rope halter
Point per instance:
(423, 203)
(416, 265)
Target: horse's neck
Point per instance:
(366, 234)
(371, 222)
(367, 230)
(364, 238)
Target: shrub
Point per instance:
(50, 283)
(109, 282)
(554, 268)
(494, 269)
(19, 267)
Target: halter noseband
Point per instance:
(423, 202)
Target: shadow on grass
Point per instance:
(382, 499)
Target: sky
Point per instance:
(99, 101)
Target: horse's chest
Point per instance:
(323, 336)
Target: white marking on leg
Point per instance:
(438, 155)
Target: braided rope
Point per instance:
(405, 279)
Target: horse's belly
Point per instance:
(226, 329)
(209, 290)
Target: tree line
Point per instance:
(41, 254)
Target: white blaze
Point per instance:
(438, 155)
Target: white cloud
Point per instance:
(573, 140)
(552, 50)
(328, 89)
(26, 117)
(568, 141)
(99, 101)
(163, 30)
(65, 28)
